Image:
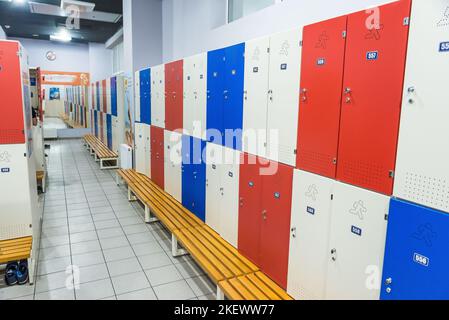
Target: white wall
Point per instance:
(193, 26)
(2, 34)
(100, 62)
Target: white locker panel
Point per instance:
(229, 208)
(422, 169)
(147, 142)
(309, 241)
(158, 96)
(108, 96)
(173, 164)
(115, 135)
(136, 96)
(105, 129)
(357, 243)
(283, 96)
(195, 95)
(257, 62)
(214, 156)
(140, 148)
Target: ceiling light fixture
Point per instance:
(63, 36)
(7, 26)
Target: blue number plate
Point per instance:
(444, 47)
(372, 55)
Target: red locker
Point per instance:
(174, 98)
(11, 121)
(157, 156)
(320, 101)
(250, 208)
(101, 128)
(275, 227)
(264, 215)
(372, 96)
(104, 95)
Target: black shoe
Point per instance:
(22, 272)
(11, 273)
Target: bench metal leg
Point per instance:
(220, 294)
(149, 218)
(96, 158)
(117, 179)
(131, 196)
(176, 251)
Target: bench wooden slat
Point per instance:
(100, 149)
(15, 249)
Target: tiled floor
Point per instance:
(94, 237)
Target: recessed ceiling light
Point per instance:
(35, 35)
(7, 26)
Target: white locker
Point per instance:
(158, 96)
(116, 142)
(422, 172)
(108, 96)
(309, 241)
(137, 96)
(257, 62)
(105, 129)
(173, 164)
(283, 96)
(357, 243)
(101, 96)
(222, 191)
(147, 140)
(140, 152)
(195, 95)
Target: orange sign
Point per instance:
(61, 78)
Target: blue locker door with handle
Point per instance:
(215, 95)
(187, 172)
(109, 130)
(96, 122)
(114, 96)
(145, 96)
(233, 95)
(416, 260)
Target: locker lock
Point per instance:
(293, 233)
(388, 290)
(348, 95)
(264, 214)
(334, 254)
(389, 281)
(304, 94)
(241, 202)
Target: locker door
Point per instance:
(255, 96)
(214, 188)
(96, 123)
(283, 97)
(215, 95)
(422, 150)
(139, 148)
(157, 156)
(323, 55)
(200, 96)
(101, 126)
(189, 89)
(147, 142)
(357, 243)
(158, 96)
(173, 159)
(416, 255)
(250, 210)
(229, 208)
(104, 96)
(114, 96)
(275, 225)
(137, 96)
(199, 179)
(109, 130)
(108, 96)
(174, 96)
(309, 239)
(115, 135)
(187, 175)
(371, 105)
(98, 96)
(233, 96)
(145, 96)
(94, 99)
(105, 129)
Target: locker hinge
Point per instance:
(386, 217)
(344, 34)
(334, 161)
(300, 43)
(295, 152)
(332, 197)
(391, 174)
(268, 50)
(406, 21)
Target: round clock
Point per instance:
(51, 56)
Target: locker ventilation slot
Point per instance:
(315, 161)
(14, 231)
(12, 137)
(368, 175)
(430, 191)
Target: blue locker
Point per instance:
(215, 92)
(114, 96)
(416, 261)
(96, 122)
(233, 94)
(194, 176)
(109, 130)
(145, 96)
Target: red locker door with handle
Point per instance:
(157, 156)
(275, 224)
(250, 207)
(174, 99)
(105, 97)
(320, 102)
(372, 95)
(12, 119)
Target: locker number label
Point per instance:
(321, 62)
(311, 210)
(356, 231)
(420, 259)
(6, 170)
(256, 69)
(372, 55)
(284, 66)
(444, 47)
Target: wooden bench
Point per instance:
(254, 286)
(41, 178)
(17, 250)
(107, 158)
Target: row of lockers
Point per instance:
(108, 95)
(77, 113)
(108, 128)
(327, 238)
(77, 94)
(334, 93)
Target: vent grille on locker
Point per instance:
(316, 161)
(12, 136)
(430, 191)
(370, 175)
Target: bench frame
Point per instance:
(102, 160)
(30, 260)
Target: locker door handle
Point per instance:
(293, 233)
(334, 254)
(304, 95)
(348, 93)
(264, 215)
(241, 202)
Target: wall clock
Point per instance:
(51, 56)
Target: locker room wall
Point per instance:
(206, 20)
